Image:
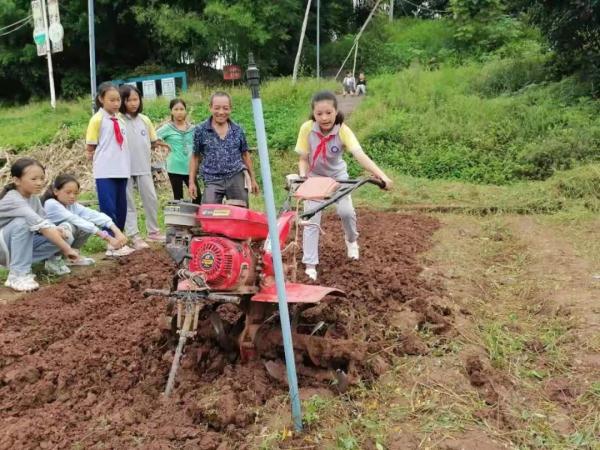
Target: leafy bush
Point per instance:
(389, 47)
(439, 125)
(74, 85)
(580, 183)
(482, 26)
(573, 29)
(505, 76)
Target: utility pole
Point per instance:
(355, 55)
(49, 56)
(318, 37)
(253, 77)
(299, 52)
(357, 38)
(391, 10)
(92, 39)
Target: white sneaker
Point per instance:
(82, 261)
(352, 250)
(311, 272)
(138, 243)
(123, 251)
(22, 283)
(56, 266)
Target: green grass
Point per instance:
(36, 124)
(436, 124)
(285, 107)
(510, 322)
(388, 48)
(493, 118)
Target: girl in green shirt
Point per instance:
(179, 134)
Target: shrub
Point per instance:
(505, 76)
(438, 125)
(580, 183)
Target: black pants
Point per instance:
(177, 181)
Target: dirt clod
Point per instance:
(560, 390)
(475, 371)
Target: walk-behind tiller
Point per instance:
(224, 258)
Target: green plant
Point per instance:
(478, 123)
(312, 409)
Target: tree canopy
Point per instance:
(135, 37)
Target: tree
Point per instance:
(137, 36)
(573, 29)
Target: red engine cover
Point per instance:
(226, 264)
(233, 222)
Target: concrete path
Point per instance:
(348, 104)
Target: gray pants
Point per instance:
(311, 232)
(233, 188)
(26, 247)
(145, 185)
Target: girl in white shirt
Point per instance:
(60, 204)
(107, 147)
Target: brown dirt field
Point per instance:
(83, 362)
(507, 266)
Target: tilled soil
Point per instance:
(83, 362)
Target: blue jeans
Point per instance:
(112, 199)
(25, 247)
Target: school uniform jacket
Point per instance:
(85, 219)
(14, 205)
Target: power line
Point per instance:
(15, 29)
(16, 23)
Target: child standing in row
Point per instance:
(321, 145)
(141, 139)
(60, 203)
(26, 236)
(179, 135)
(107, 146)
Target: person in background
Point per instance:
(141, 139)
(26, 235)
(220, 145)
(60, 204)
(178, 134)
(106, 146)
(348, 84)
(361, 84)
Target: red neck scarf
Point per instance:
(321, 148)
(118, 134)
